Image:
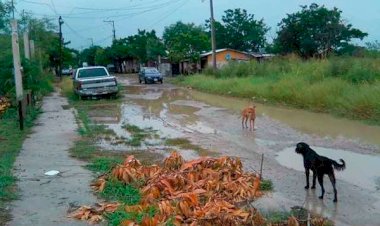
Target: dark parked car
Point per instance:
(94, 81)
(67, 71)
(150, 74)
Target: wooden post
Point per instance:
(261, 166)
(32, 49)
(213, 39)
(17, 71)
(26, 45)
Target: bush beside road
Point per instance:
(349, 87)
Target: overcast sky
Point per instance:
(84, 18)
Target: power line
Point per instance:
(128, 8)
(113, 27)
(103, 39)
(40, 3)
(53, 7)
(74, 31)
(169, 12)
(70, 15)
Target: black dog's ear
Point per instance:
(302, 145)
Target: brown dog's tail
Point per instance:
(338, 166)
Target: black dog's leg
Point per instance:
(307, 172)
(333, 182)
(320, 181)
(314, 179)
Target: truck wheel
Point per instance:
(140, 81)
(145, 81)
(161, 81)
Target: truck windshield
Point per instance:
(92, 72)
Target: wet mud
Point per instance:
(213, 123)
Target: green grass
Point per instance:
(103, 164)
(138, 135)
(186, 144)
(348, 87)
(11, 139)
(118, 191)
(266, 185)
(116, 218)
(277, 217)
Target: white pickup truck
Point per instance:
(94, 81)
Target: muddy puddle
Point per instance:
(361, 170)
(188, 102)
(304, 121)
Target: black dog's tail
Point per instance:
(338, 166)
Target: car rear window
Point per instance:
(92, 72)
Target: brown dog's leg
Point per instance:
(333, 182)
(320, 181)
(242, 122)
(251, 124)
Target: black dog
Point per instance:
(320, 166)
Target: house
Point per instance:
(223, 56)
(164, 66)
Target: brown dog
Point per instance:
(248, 113)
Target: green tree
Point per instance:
(185, 41)
(145, 46)
(88, 55)
(35, 76)
(315, 31)
(5, 10)
(240, 30)
(102, 57)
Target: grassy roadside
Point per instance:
(11, 139)
(346, 87)
(100, 161)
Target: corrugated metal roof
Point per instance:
(257, 55)
(210, 52)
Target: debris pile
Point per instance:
(4, 104)
(94, 214)
(205, 191)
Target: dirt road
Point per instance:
(45, 200)
(213, 122)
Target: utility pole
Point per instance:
(213, 41)
(17, 69)
(113, 27)
(60, 21)
(13, 10)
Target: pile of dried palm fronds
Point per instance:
(94, 214)
(4, 104)
(205, 191)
